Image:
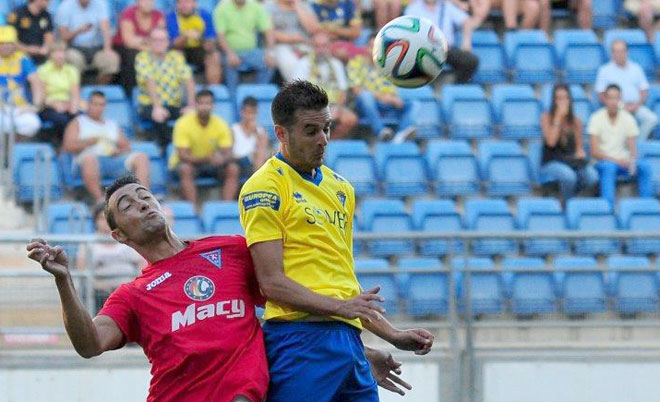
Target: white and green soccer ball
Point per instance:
(410, 51)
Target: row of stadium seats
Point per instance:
(521, 286)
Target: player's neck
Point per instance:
(161, 247)
(284, 153)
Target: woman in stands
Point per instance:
(564, 159)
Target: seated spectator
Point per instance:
(646, 11)
(135, 25)
(328, 72)
(191, 31)
(341, 21)
(250, 140)
(530, 10)
(376, 96)
(35, 29)
(237, 23)
(163, 78)
(614, 135)
(630, 77)
(61, 94)
(101, 149)
(203, 148)
(113, 263)
(385, 11)
(580, 8)
(564, 159)
(85, 26)
(463, 63)
(16, 72)
(293, 23)
(478, 11)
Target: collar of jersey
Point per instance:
(316, 179)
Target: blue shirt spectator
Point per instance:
(341, 13)
(201, 20)
(85, 19)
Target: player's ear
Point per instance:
(119, 236)
(280, 133)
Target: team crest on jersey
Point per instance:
(342, 197)
(299, 197)
(280, 171)
(338, 177)
(214, 257)
(199, 288)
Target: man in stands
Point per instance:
(35, 29)
(101, 148)
(341, 21)
(192, 309)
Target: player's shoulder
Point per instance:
(272, 172)
(335, 178)
(237, 241)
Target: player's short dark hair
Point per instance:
(249, 101)
(98, 93)
(110, 190)
(204, 93)
(613, 86)
(297, 95)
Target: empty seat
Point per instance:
(427, 293)
(633, 284)
(504, 168)
(486, 285)
(492, 63)
(186, 222)
(264, 94)
(467, 111)
(34, 164)
(437, 216)
(427, 115)
(401, 168)
(605, 13)
(453, 167)
(579, 54)
(517, 110)
(157, 165)
(582, 285)
(592, 214)
(640, 215)
(530, 56)
(512, 266)
(372, 273)
(389, 216)
(490, 215)
(69, 218)
(541, 215)
(650, 151)
(352, 160)
(221, 217)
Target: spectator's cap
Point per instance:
(8, 34)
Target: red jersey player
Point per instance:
(191, 309)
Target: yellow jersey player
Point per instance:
(298, 219)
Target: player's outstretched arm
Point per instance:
(416, 340)
(267, 258)
(89, 337)
(386, 370)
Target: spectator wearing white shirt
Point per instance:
(250, 140)
(449, 19)
(630, 77)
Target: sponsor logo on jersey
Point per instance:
(261, 199)
(159, 280)
(318, 216)
(299, 197)
(214, 257)
(199, 288)
(234, 308)
(341, 196)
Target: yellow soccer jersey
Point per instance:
(314, 219)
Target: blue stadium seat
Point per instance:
(490, 215)
(644, 55)
(650, 151)
(484, 36)
(352, 159)
(512, 266)
(207, 5)
(453, 167)
(530, 56)
(221, 217)
(223, 105)
(427, 116)
(605, 13)
(370, 273)
(30, 161)
(582, 286)
(640, 215)
(517, 110)
(492, 64)
(402, 169)
(467, 111)
(533, 293)
(69, 218)
(579, 54)
(157, 165)
(487, 288)
(654, 94)
(437, 216)
(634, 285)
(386, 215)
(504, 168)
(186, 221)
(541, 215)
(592, 214)
(427, 293)
(630, 36)
(264, 94)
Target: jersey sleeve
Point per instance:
(120, 308)
(261, 207)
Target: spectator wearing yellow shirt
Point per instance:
(162, 77)
(203, 148)
(60, 82)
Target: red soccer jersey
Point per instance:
(193, 314)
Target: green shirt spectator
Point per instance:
(240, 24)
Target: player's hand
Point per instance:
(386, 371)
(363, 306)
(52, 259)
(416, 340)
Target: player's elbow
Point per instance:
(88, 353)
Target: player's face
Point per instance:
(137, 213)
(305, 142)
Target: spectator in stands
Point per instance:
(237, 23)
(341, 21)
(449, 17)
(16, 72)
(564, 159)
(376, 96)
(101, 149)
(582, 9)
(328, 72)
(35, 29)
(478, 11)
(385, 11)
(61, 94)
(113, 263)
(136, 23)
(294, 22)
(529, 10)
(630, 77)
(163, 78)
(203, 148)
(614, 135)
(191, 31)
(646, 11)
(250, 146)
(85, 26)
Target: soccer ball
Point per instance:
(410, 51)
